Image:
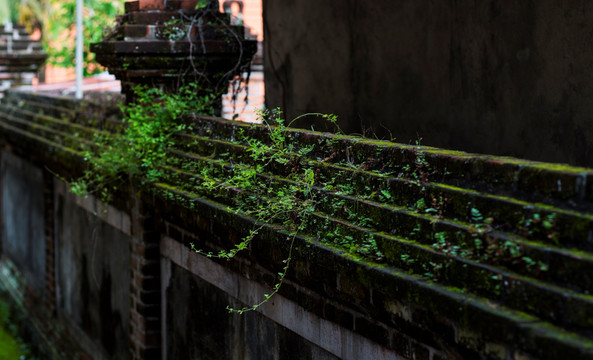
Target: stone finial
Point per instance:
(165, 43)
(20, 57)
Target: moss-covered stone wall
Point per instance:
(476, 256)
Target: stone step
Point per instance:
(567, 227)
(21, 46)
(554, 184)
(164, 17)
(95, 114)
(178, 30)
(62, 127)
(506, 249)
(22, 59)
(492, 319)
(175, 48)
(47, 131)
(150, 5)
(563, 307)
(18, 68)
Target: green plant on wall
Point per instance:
(12, 346)
(141, 149)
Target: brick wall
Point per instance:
(145, 329)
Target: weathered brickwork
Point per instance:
(145, 289)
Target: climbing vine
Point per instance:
(146, 147)
(140, 146)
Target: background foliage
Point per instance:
(56, 19)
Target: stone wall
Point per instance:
(491, 77)
(482, 256)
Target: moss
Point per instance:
(449, 153)
(560, 168)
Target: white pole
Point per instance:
(79, 45)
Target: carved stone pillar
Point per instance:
(166, 43)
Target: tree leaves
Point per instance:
(57, 18)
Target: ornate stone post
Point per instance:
(166, 43)
(20, 57)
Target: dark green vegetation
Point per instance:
(11, 345)
(9, 348)
(140, 147)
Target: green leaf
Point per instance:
(202, 4)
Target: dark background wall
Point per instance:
(501, 77)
